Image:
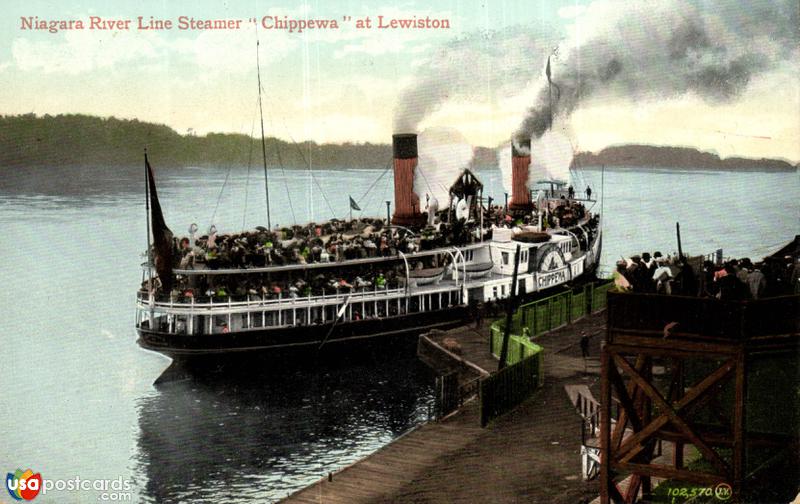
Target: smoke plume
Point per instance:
(645, 50)
(636, 49)
(475, 67)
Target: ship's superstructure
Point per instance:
(346, 281)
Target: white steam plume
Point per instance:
(443, 155)
(551, 157)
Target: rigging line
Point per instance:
(219, 196)
(285, 178)
(263, 142)
(367, 194)
(249, 165)
(388, 166)
(305, 161)
(366, 199)
(387, 192)
(422, 172)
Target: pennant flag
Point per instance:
(354, 205)
(547, 70)
(162, 236)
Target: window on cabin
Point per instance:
(505, 257)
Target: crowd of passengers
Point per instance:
(221, 288)
(339, 240)
(336, 241)
(732, 280)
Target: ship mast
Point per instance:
(263, 142)
(147, 219)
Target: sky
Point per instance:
(480, 76)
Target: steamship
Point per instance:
(436, 282)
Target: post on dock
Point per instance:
(512, 301)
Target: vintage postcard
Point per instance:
(446, 251)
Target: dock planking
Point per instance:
(529, 455)
(382, 474)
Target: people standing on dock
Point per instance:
(757, 283)
(794, 279)
(730, 287)
(584, 345)
(621, 282)
(479, 315)
(584, 349)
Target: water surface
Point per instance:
(78, 392)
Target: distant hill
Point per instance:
(74, 139)
(674, 157)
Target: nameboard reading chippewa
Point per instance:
(553, 278)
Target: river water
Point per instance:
(78, 393)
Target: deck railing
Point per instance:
(707, 317)
(259, 301)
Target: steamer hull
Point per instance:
(286, 340)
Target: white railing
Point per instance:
(147, 302)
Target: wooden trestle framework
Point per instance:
(677, 368)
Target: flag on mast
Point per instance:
(354, 205)
(162, 236)
(547, 70)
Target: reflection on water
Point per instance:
(261, 436)
(79, 396)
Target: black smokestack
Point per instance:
(404, 145)
(521, 147)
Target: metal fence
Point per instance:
(510, 386)
(544, 315)
(504, 390)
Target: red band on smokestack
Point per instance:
(520, 162)
(406, 203)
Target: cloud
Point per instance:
(571, 11)
(80, 51)
(211, 52)
(376, 41)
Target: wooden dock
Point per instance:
(387, 471)
(529, 455)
